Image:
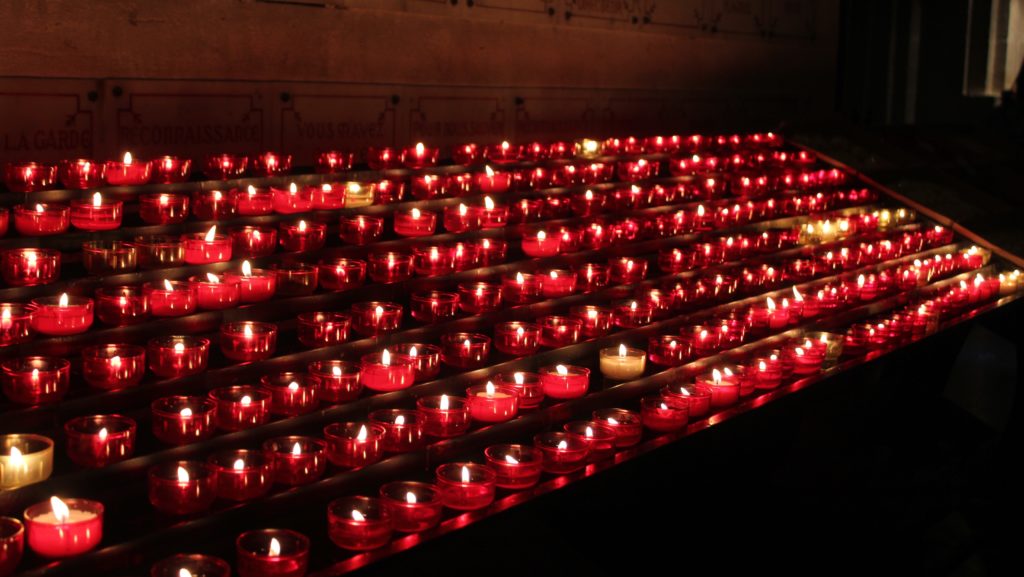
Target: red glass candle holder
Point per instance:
(242, 475)
(558, 331)
(214, 204)
(403, 430)
(462, 218)
(205, 565)
(334, 161)
(389, 190)
(272, 553)
(358, 523)
(599, 436)
(170, 169)
(533, 209)
(465, 350)
(293, 199)
(541, 243)
(57, 529)
(225, 166)
(492, 404)
(664, 414)
(354, 445)
(215, 292)
(383, 158)
(626, 270)
(127, 172)
(632, 314)
(30, 266)
(627, 425)
(493, 215)
(521, 288)
(724, 387)
(159, 251)
(419, 156)
(96, 213)
(384, 372)
(111, 367)
(376, 318)
(341, 274)
(327, 197)
(517, 338)
(668, 350)
(12, 544)
(169, 298)
(296, 279)
(444, 416)
(479, 297)
(253, 241)
(412, 506)
(466, 153)
(241, 407)
(426, 359)
(35, 380)
(248, 340)
(491, 251)
(596, 321)
(104, 257)
(25, 177)
(250, 202)
(528, 385)
(321, 329)
(415, 222)
(492, 181)
(516, 467)
(296, 460)
(5, 220)
(335, 381)
(587, 203)
(433, 260)
(121, 305)
(100, 440)
(361, 229)
(177, 356)
(561, 453)
(63, 315)
(179, 420)
(291, 394)
(565, 381)
(206, 248)
(15, 323)
(41, 219)
(466, 486)
(80, 173)
(254, 285)
(302, 236)
(390, 267)
(764, 372)
(698, 397)
(558, 283)
(433, 306)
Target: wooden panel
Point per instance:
(46, 120)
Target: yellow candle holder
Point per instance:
(622, 363)
(588, 148)
(359, 194)
(24, 459)
(833, 344)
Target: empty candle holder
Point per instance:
(112, 367)
(668, 350)
(100, 440)
(177, 356)
(12, 544)
(26, 177)
(558, 331)
(242, 475)
(248, 340)
(433, 306)
(162, 208)
(336, 381)
(296, 279)
(103, 257)
(30, 266)
(426, 359)
(241, 407)
(465, 350)
(159, 251)
(296, 460)
(354, 445)
(180, 488)
(180, 420)
(358, 523)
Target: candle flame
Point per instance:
(488, 203)
(554, 274)
(562, 370)
(520, 278)
(238, 465)
(591, 314)
(16, 458)
(115, 361)
(563, 445)
(379, 311)
(293, 189)
(357, 516)
(293, 386)
(632, 306)
(336, 371)
(63, 301)
(211, 234)
(274, 550)
(511, 460)
(297, 449)
(490, 388)
(97, 199)
(463, 209)
(520, 332)
(771, 304)
(860, 281)
(184, 573)
(186, 412)
(541, 235)
(410, 498)
(466, 343)
(400, 420)
(246, 400)
(179, 348)
(762, 366)
(127, 159)
(246, 269)
(519, 378)
(412, 351)
(622, 351)
(210, 277)
(183, 476)
(60, 510)
(361, 436)
(444, 405)
(302, 226)
(415, 213)
(716, 376)
(385, 356)
(797, 297)
(465, 474)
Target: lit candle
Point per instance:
(622, 363)
(190, 566)
(241, 407)
(627, 425)
(517, 338)
(24, 460)
(291, 394)
(384, 372)
(462, 218)
(225, 166)
(664, 414)
(206, 248)
(358, 523)
(30, 266)
(177, 356)
(57, 529)
(15, 323)
(600, 436)
(336, 381)
(170, 169)
(354, 444)
(558, 331)
(272, 553)
(466, 486)
(565, 381)
(491, 181)
(302, 236)
(248, 340)
(493, 215)
(521, 288)
(35, 380)
(465, 350)
(724, 387)
(100, 440)
(215, 292)
(254, 201)
(296, 460)
(413, 506)
(96, 214)
(516, 466)
(492, 404)
(179, 420)
(242, 475)
(129, 172)
(113, 367)
(254, 285)
(403, 430)
(63, 315)
(322, 329)
(169, 298)
(292, 200)
(341, 274)
(560, 452)
(444, 416)
(182, 487)
(540, 244)
(41, 219)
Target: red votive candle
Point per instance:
(626, 270)
(433, 306)
(599, 436)
(206, 248)
(492, 181)
(35, 380)
(253, 201)
(159, 251)
(30, 266)
(170, 169)
(128, 172)
(241, 407)
(302, 236)
(596, 321)
(425, 358)
(528, 385)
(384, 372)
(272, 553)
(376, 318)
(214, 204)
(462, 218)
(383, 158)
(427, 186)
(253, 241)
(358, 523)
(565, 381)
(587, 203)
(41, 219)
(179, 420)
(15, 323)
(80, 173)
(560, 452)
(493, 215)
(668, 350)
(479, 297)
(169, 298)
(444, 416)
(698, 397)
(724, 387)
(419, 156)
(296, 460)
(403, 430)
(558, 283)
(242, 475)
(63, 315)
(517, 338)
(57, 529)
(664, 414)
(122, 305)
(540, 243)
(413, 506)
(387, 191)
(465, 350)
(336, 381)
(271, 164)
(182, 488)
(516, 466)
(389, 267)
(361, 229)
(96, 214)
(492, 404)
(353, 445)
(627, 425)
(341, 274)
(466, 486)
(204, 565)
(103, 257)
(225, 166)
(293, 199)
(334, 161)
(632, 314)
(433, 260)
(327, 197)
(12, 544)
(248, 340)
(215, 292)
(322, 329)
(177, 356)
(291, 394)
(415, 222)
(521, 288)
(254, 285)
(559, 331)
(111, 367)
(100, 440)
(491, 251)
(296, 279)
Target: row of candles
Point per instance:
(60, 528)
(130, 171)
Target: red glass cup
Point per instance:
(426, 359)
(354, 445)
(465, 350)
(159, 251)
(121, 305)
(462, 218)
(177, 356)
(668, 350)
(253, 241)
(296, 279)
(413, 506)
(293, 199)
(81, 173)
(41, 219)
(596, 321)
(30, 266)
(384, 372)
(179, 420)
(341, 274)
(215, 292)
(248, 340)
(541, 243)
(170, 169)
(521, 288)
(433, 260)
(254, 285)
(361, 229)
(35, 380)
(302, 236)
(322, 329)
(96, 214)
(527, 385)
(63, 315)
(15, 323)
(664, 414)
(433, 306)
(103, 257)
(81, 532)
(242, 475)
(632, 314)
(403, 430)
(206, 248)
(327, 197)
(296, 460)
(214, 204)
(389, 267)
(225, 166)
(334, 161)
(565, 381)
(383, 158)
(127, 172)
(376, 318)
(479, 297)
(272, 553)
(491, 251)
(628, 425)
(253, 201)
(180, 488)
(205, 565)
(599, 436)
(291, 393)
(560, 452)
(558, 331)
(111, 367)
(558, 283)
(26, 177)
(415, 222)
(169, 298)
(697, 396)
(336, 381)
(100, 440)
(444, 416)
(516, 467)
(466, 486)
(492, 404)
(241, 407)
(358, 523)
(517, 338)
